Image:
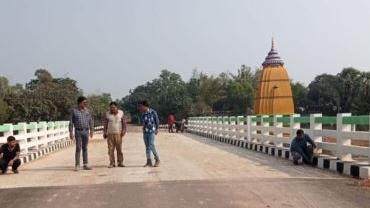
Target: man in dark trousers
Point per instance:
(9, 155)
(150, 122)
(82, 123)
(300, 149)
(170, 122)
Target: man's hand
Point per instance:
(71, 136)
(91, 135)
(11, 162)
(156, 132)
(123, 134)
(105, 135)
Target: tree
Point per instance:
(299, 92)
(348, 85)
(167, 94)
(323, 95)
(99, 105)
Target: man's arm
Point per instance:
(156, 119)
(18, 152)
(70, 127)
(105, 124)
(124, 125)
(309, 140)
(1, 152)
(91, 124)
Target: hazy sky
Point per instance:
(113, 46)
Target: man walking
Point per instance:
(150, 122)
(300, 149)
(170, 122)
(114, 131)
(9, 155)
(83, 124)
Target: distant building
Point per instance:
(274, 94)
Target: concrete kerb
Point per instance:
(42, 152)
(349, 168)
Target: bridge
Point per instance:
(219, 162)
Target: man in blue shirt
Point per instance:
(150, 122)
(300, 149)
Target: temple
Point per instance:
(274, 94)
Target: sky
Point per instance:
(112, 46)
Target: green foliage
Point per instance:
(300, 100)
(166, 94)
(99, 105)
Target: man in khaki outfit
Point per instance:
(114, 131)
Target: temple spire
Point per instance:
(273, 57)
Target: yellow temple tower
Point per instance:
(274, 95)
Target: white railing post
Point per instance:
(341, 140)
(265, 130)
(314, 127)
(241, 127)
(232, 127)
(9, 132)
(251, 125)
(277, 127)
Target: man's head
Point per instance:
(11, 141)
(300, 133)
(82, 102)
(143, 105)
(113, 107)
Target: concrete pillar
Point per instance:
(315, 127)
(341, 140)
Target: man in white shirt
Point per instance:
(114, 131)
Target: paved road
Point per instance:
(195, 172)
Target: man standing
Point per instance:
(300, 149)
(9, 155)
(150, 122)
(114, 131)
(170, 122)
(83, 124)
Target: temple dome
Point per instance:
(274, 94)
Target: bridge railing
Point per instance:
(336, 135)
(37, 135)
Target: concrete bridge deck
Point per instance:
(195, 172)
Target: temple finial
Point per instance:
(272, 43)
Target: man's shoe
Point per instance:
(295, 162)
(148, 163)
(121, 165)
(156, 164)
(87, 167)
(77, 168)
(111, 166)
(15, 171)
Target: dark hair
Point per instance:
(10, 138)
(113, 103)
(81, 99)
(144, 103)
(300, 132)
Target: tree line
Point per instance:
(234, 93)
(46, 98)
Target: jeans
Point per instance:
(4, 165)
(305, 154)
(149, 146)
(82, 139)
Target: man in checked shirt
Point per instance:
(83, 124)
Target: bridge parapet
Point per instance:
(340, 143)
